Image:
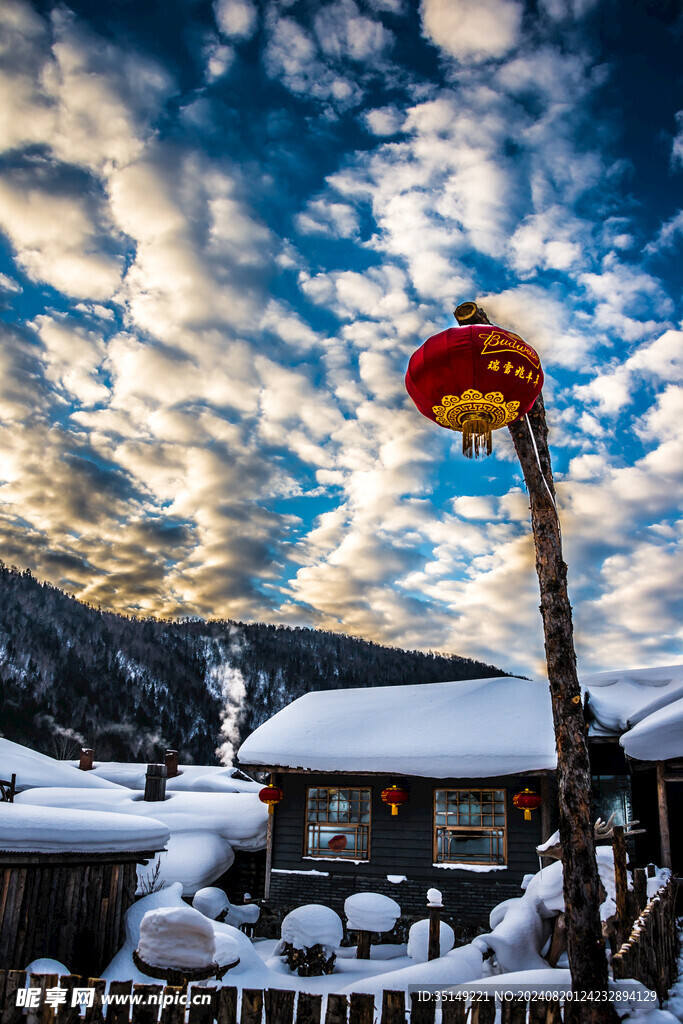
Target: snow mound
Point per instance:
(416, 733)
(196, 778)
(371, 912)
(44, 965)
(309, 925)
(210, 901)
(418, 941)
(48, 830)
(176, 937)
(33, 769)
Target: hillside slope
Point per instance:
(72, 675)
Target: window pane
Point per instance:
(467, 824)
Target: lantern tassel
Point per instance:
(527, 815)
(476, 438)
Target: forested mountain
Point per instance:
(73, 675)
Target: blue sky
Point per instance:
(223, 230)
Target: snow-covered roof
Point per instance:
(27, 829)
(619, 699)
(34, 769)
(198, 778)
(470, 728)
(657, 736)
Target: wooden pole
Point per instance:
(663, 806)
(269, 854)
(585, 945)
(434, 947)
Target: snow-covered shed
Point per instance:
(67, 878)
(636, 740)
(460, 750)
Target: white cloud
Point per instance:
(472, 30)
(236, 19)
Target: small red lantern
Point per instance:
(271, 795)
(527, 801)
(475, 379)
(395, 796)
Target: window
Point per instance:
(338, 823)
(469, 826)
(612, 795)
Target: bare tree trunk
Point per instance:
(585, 944)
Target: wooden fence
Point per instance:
(649, 953)
(159, 1004)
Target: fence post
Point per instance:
(308, 1008)
(624, 920)
(393, 1008)
(640, 888)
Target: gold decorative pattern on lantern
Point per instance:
(456, 410)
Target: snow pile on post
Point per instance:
(176, 937)
(31, 829)
(210, 901)
(409, 730)
(311, 925)
(371, 912)
(418, 940)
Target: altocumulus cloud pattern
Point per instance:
(226, 226)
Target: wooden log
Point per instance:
(155, 783)
(663, 808)
(43, 1013)
(279, 1006)
(66, 1013)
(483, 1011)
(203, 1012)
(3, 983)
(337, 1011)
(558, 943)
(118, 1013)
(453, 1011)
(545, 1011)
(11, 1013)
(393, 1007)
(640, 888)
(94, 1014)
(624, 919)
(172, 1011)
(146, 1012)
(9, 923)
(227, 1006)
(422, 1011)
(514, 1012)
(434, 945)
(361, 1008)
(24, 911)
(363, 945)
(252, 1006)
(308, 1008)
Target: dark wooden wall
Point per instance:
(60, 906)
(401, 845)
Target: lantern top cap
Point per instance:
(470, 313)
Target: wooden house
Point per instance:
(458, 752)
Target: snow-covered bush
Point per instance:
(418, 940)
(310, 936)
(371, 912)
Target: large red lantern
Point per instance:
(474, 379)
(271, 795)
(527, 801)
(395, 796)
